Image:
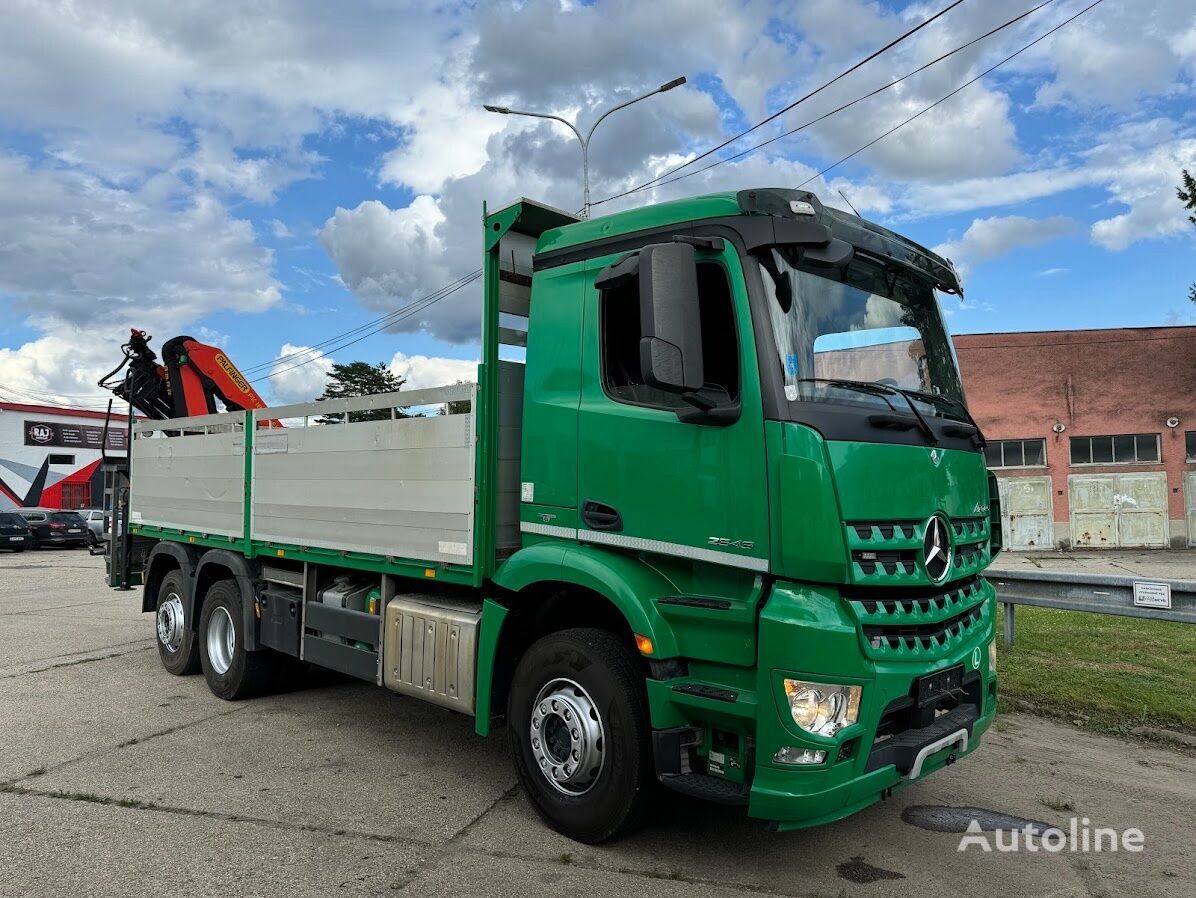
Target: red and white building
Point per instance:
(51, 456)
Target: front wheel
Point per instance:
(231, 672)
(176, 636)
(579, 733)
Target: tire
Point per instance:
(175, 635)
(91, 539)
(232, 673)
(582, 670)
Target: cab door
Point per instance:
(649, 481)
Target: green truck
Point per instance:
(713, 517)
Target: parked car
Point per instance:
(94, 518)
(14, 532)
(54, 527)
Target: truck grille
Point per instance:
(923, 626)
(889, 553)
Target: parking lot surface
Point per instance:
(118, 779)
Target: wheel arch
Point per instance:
(164, 558)
(550, 587)
(220, 564)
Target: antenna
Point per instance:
(846, 200)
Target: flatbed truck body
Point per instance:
(722, 527)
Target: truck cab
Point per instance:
(744, 410)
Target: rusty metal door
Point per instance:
(1118, 510)
(1026, 512)
(1190, 505)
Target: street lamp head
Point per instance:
(676, 82)
(501, 110)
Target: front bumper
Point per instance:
(808, 633)
(718, 729)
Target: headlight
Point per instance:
(992, 657)
(822, 708)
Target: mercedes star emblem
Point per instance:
(936, 549)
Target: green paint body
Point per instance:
(777, 588)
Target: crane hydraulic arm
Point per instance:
(189, 380)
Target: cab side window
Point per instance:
(619, 326)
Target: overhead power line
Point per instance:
(689, 174)
(948, 96)
(871, 56)
(399, 315)
(380, 323)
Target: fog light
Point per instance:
(992, 657)
(788, 754)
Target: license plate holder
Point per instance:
(930, 688)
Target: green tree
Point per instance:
(1187, 195)
(458, 406)
(361, 379)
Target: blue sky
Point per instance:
(268, 178)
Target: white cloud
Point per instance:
(299, 375)
(391, 258)
(85, 261)
(1116, 54)
(421, 371)
(990, 238)
(1147, 188)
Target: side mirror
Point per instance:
(670, 319)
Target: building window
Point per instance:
(622, 377)
(1016, 453)
(1128, 449)
(1190, 445)
(62, 459)
(76, 495)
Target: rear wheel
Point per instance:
(579, 732)
(232, 673)
(176, 636)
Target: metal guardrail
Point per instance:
(1170, 600)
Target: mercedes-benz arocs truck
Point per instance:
(714, 516)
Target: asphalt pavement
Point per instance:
(118, 779)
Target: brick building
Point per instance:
(1092, 433)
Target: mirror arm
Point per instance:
(714, 244)
(719, 416)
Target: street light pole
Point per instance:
(585, 141)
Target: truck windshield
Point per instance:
(863, 323)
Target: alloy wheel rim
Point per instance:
(170, 622)
(222, 640)
(568, 740)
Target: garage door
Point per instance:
(1190, 498)
(1026, 512)
(1118, 509)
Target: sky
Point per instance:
(266, 176)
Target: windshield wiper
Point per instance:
(952, 402)
(883, 391)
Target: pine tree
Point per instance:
(361, 379)
(1187, 195)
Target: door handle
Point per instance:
(601, 517)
